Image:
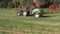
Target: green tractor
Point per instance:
(38, 12)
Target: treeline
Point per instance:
(9, 3)
(20, 3)
(14, 3)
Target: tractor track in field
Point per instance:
(45, 23)
(14, 31)
(38, 22)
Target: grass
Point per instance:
(10, 23)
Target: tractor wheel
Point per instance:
(37, 14)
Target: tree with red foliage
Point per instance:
(53, 6)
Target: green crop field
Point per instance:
(10, 23)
